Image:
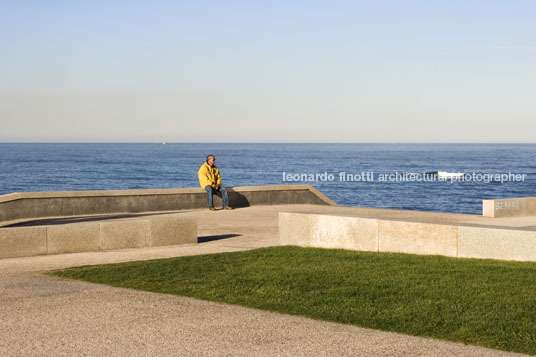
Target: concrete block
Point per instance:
(73, 238)
(294, 229)
(488, 208)
(172, 231)
(496, 243)
(509, 207)
(125, 234)
(417, 238)
(344, 232)
(530, 206)
(23, 242)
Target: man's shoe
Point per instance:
(212, 208)
(227, 207)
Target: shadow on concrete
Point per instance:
(206, 239)
(67, 220)
(237, 199)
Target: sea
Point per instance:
(459, 176)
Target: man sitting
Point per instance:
(210, 180)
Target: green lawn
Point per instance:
(482, 302)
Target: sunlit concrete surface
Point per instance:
(42, 315)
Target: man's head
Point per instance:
(211, 159)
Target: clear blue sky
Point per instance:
(248, 71)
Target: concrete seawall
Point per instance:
(19, 207)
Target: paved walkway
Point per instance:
(46, 316)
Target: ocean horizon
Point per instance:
(352, 174)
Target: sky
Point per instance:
(268, 71)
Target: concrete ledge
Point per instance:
(333, 231)
(294, 229)
(173, 231)
(72, 238)
(509, 207)
(384, 235)
(494, 243)
(417, 238)
(23, 242)
(86, 237)
(19, 207)
(126, 234)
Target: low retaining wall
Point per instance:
(378, 235)
(509, 207)
(86, 237)
(18, 207)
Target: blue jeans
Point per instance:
(211, 191)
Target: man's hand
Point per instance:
(214, 186)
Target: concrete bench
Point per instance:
(95, 236)
(384, 235)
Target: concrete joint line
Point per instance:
(457, 241)
(377, 235)
(100, 236)
(46, 241)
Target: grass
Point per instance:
(481, 302)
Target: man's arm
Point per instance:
(204, 180)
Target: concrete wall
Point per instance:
(509, 207)
(380, 235)
(17, 207)
(94, 236)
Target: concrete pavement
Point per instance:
(46, 316)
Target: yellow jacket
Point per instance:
(208, 175)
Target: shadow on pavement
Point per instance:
(56, 221)
(206, 239)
